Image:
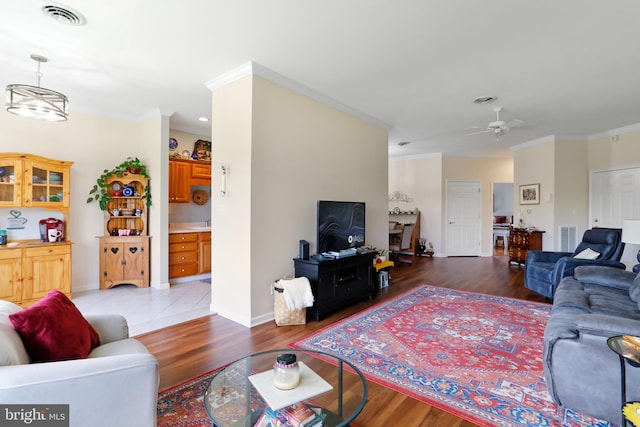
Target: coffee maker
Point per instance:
(51, 224)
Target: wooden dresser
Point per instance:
(522, 241)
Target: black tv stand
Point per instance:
(338, 282)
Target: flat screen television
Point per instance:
(341, 225)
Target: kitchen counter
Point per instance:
(188, 227)
(18, 244)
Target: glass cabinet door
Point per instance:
(48, 184)
(10, 182)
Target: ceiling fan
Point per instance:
(498, 127)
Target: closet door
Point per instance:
(615, 196)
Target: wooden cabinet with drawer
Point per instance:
(201, 173)
(204, 252)
(29, 272)
(183, 254)
(521, 242)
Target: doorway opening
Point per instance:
(502, 216)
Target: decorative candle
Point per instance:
(286, 372)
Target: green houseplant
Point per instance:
(99, 192)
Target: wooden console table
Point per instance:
(522, 241)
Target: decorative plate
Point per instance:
(186, 154)
(200, 197)
(115, 186)
(128, 191)
(173, 144)
(396, 210)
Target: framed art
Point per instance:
(530, 194)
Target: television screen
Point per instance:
(341, 225)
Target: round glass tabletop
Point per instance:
(242, 391)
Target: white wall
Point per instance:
(231, 213)
(620, 149)
(285, 151)
(535, 164)
(571, 188)
(153, 137)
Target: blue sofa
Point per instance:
(544, 269)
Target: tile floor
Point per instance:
(147, 309)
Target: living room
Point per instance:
(285, 147)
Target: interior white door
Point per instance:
(463, 218)
(615, 196)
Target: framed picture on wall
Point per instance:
(530, 194)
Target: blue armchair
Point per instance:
(544, 270)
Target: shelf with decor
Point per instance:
(124, 197)
(125, 210)
(27, 180)
(124, 251)
(31, 268)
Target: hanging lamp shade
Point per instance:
(37, 102)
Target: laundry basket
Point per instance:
(284, 316)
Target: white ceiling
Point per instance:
(569, 68)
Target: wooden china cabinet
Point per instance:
(30, 268)
(124, 248)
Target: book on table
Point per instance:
(296, 415)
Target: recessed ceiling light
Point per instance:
(484, 99)
(203, 119)
(63, 14)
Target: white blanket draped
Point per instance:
(297, 292)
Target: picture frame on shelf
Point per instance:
(530, 194)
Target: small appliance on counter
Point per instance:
(51, 224)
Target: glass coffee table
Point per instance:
(232, 400)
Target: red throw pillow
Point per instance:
(53, 329)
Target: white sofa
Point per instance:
(117, 385)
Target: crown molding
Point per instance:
(614, 132)
(393, 158)
(543, 140)
(255, 69)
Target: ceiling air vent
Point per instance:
(64, 14)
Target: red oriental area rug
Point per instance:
(476, 356)
(183, 405)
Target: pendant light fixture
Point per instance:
(37, 102)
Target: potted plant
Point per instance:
(100, 192)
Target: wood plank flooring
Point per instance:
(192, 348)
